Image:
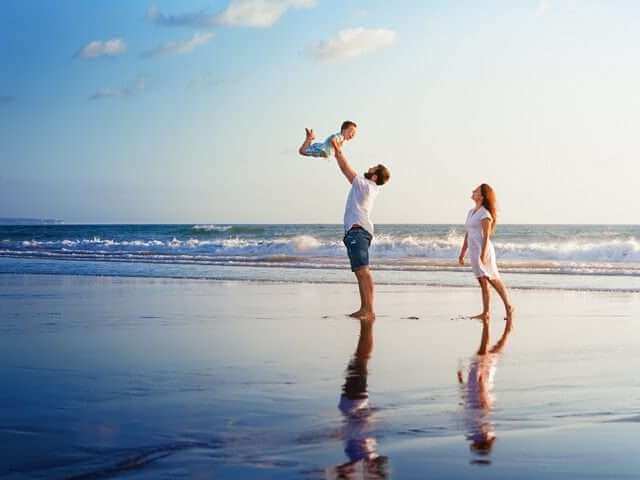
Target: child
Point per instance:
(327, 148)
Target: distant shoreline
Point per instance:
(36, 221)
(30, 221)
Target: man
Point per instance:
(358, 431)
(359, 228)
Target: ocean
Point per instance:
(124, 356)
(574, 257)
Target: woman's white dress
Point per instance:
(479, 398)
(475, 237)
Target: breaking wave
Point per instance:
(588, 256)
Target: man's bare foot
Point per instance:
(309, 133)
(481, 316)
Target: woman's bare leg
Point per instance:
(504, 295)
(486, 299)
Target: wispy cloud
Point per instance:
(179, 47)
(352, 42)
(5, 99)
(98, 48)
(194, 19)
(238, 13)
(258, 13)
(128, 91)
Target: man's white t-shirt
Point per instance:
(359, 203)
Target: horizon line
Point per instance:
(59, 222)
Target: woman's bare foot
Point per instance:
(510, 310)
(509, 318)
(508, 327)
(481, 316)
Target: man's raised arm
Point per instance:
(347, 169)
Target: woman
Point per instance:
(477, 394)
(480, 225)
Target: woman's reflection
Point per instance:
(360, 446)
(478, 392)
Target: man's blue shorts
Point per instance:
(358, 241)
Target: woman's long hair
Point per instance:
(489, 202)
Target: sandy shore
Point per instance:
(152, 378)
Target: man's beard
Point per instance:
(368, 175)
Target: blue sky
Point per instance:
(192, 111)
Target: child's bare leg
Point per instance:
(309, 137)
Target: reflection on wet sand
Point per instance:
(360, 445)
(477, 393)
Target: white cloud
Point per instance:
(352, 42)
(258, 13)
(179, 47)
(238, 13)
(97, 48)
(103, 93)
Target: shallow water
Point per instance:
(247, 273)
(152, 378)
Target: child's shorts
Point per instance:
(317, 150)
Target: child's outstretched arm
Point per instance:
(346, 169)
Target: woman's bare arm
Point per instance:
(486, 235)
(463, 251)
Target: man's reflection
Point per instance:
(478, 392)
(360, 446)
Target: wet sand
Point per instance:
(152, 378)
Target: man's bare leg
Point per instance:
(486, 300)
(365, 284)
(309, 137)
(358, 313)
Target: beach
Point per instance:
(114, 377)
(319, 240)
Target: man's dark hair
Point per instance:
(346, 124)
(383, 174)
